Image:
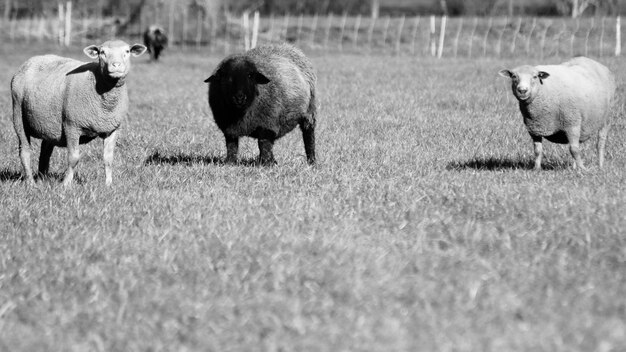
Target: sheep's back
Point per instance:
(579, 91)
(267, 53)
(40, 86)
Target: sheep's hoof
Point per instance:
(230, 160)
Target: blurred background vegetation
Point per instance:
(128, 8)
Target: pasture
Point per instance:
(422, 228)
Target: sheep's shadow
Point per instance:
(7, 175)
(495, 163)
(191, 159)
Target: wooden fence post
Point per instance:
(344, 19)
(442, 34)
(299, 31)
(246, 30)
(487, 36)
(329, 24)
(370, 33)
(313, 29)
(286, 27)
(499, 45)
(618, 36)
(226, 35)
(199, 24)
(61, 23)
(213, 33)
(170, 24)
(399, 38)
(573, 38)
(457, 36)
(184, 33)
(416, 23)
(431, 39)
(601, 48)
(543, 38)
(471, 43)
(517, 29)
(68, 23)
(255, 30)
(355, 37)
(530, 35)
(587, 37)
(385, 29)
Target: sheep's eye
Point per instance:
(250, 75)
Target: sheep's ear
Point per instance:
(506, 73)
(137, 49)
(211, 79)
(543, 75)
(261, 79)
(92, 51)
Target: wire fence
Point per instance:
(468, 37)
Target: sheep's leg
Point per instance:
(44, 157)
(232, 148)
(308, 136)
(602, 137)
(108, 151)
(266, 155)
(23, 138)
(538, 151)
(73, 155)
(573, 138)
(25, 157)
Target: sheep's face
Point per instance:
(525, 81)
(114, 57)
(237, 80)
(159, 37)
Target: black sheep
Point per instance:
(264, 93)
(155, 40)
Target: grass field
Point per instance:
(421, 229)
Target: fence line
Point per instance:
(414, 36)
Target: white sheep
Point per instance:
(566, 103)
(66, 102)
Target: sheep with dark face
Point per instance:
(264, 93)
(155, 40)
(65, 102)
(566, 103)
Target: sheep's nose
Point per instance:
(522, 90)
(240, 97)
(116, 64)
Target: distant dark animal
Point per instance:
(155, 40)
(264, 93)
(566, 103)
(65, 102)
